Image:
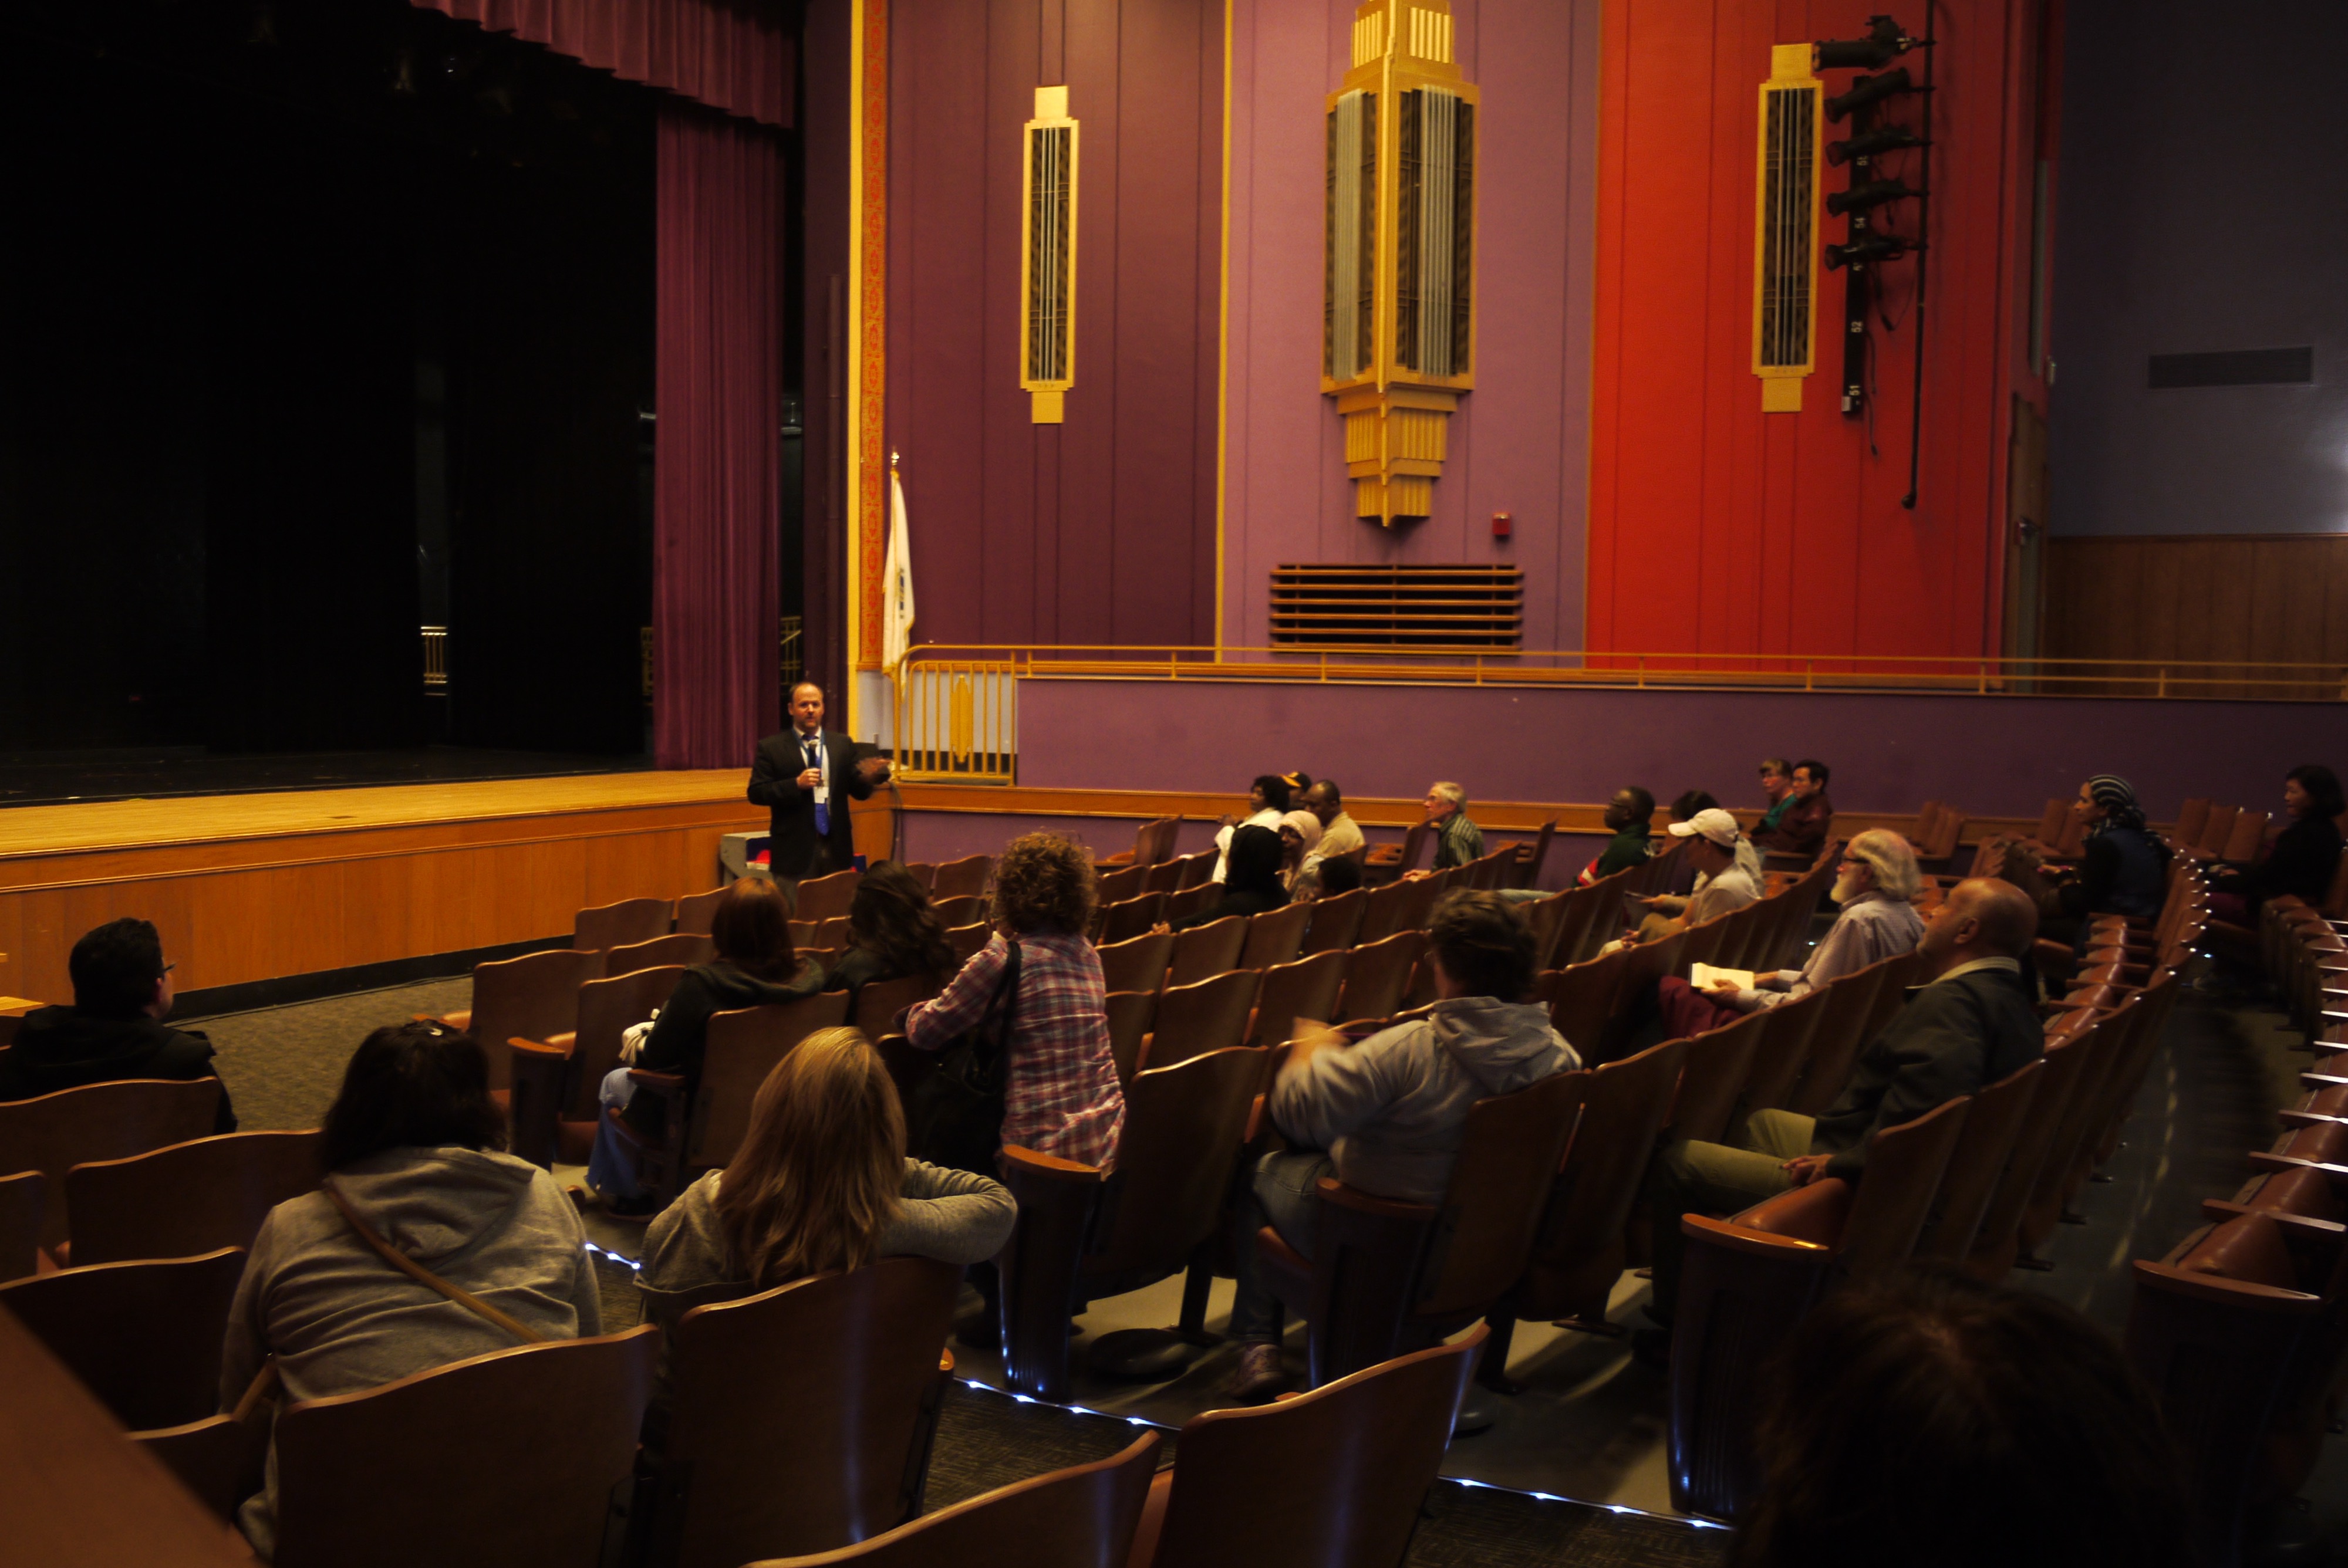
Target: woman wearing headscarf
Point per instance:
(1300, 853)
(2124, 870)
(1252, 885)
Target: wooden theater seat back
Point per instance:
(1334, 1479)
(190, 1198)
(502, 1461)
(1080, 1517)
(145, 1337)
(54, 1133)
(798, 1414)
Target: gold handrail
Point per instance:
(2171, 678)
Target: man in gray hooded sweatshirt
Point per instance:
(1389, 1112)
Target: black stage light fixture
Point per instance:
(1860, 252)
(1860, 198)
(1868, 90)
(1890, 138)
(1885, 39)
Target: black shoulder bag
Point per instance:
(954, 1116)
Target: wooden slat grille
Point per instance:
(1321, 606)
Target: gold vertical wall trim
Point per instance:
(1047, 255)
(868, 311)
(1786, 228)
(1224, 343)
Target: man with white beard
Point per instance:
(1875, 885)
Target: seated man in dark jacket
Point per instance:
(1974, 1022)
(1804, 827)
(115, 1029)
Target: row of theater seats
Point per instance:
(1979, 1183)
(793, 1421)
(2240, 1327)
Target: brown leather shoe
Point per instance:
(1258, 1376)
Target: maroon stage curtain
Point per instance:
(718, 369)
(708, 50)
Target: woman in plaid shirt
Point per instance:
(1063, 1097)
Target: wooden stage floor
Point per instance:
(249, 888)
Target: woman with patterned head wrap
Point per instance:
(2125, 869)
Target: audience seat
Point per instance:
(1306, 989)
(681, 949)
(923, 872)
(1841, 1032)
(1581, 999)
(1378, 1284)
(1114, 886)
(1997, 1244)
(1275, 937)
(1547, 918)
(534, 998)
(1183, 1128)
(1717, 1065)
(52, 1133)
(963, 879)
(1206, 1016)
(1387, 863)
(1530, 858)
(223, 1460)
(1578, 1251)
(1205, 951)
(1377, 974)
(1778, 1055)
(631, 920)
(20, 1224)
(799, 1418)
(966, 940)
(192, 1197)
(960, 910)
(826, 898)
(1192, 900)
(1138, 963)
(2233, 1333)
(1749, 1279)
(502, 1461)
(1333, 1479)
(1133, 917)
(874, 1006)
(1992, 1124)
(701, 1131)
(1129, 1013)
(557, 1079)
(144, 1338)
(696, 911)
(1336, 922)
(1080, 1517)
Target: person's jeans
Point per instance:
(1716, 1179)
(611, 1168)
(1280, 1196)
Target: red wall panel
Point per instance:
(1713, 526)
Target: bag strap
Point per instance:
(417, 1271)
(995, 1030)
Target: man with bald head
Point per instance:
(1974, 1020)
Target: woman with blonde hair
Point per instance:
(821, 1184)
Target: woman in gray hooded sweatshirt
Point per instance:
(415, 1146)
(1386, 1115)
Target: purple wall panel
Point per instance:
(1100, 530)
(1997, 757)
(1519, 442)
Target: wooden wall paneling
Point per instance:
(2228, 599)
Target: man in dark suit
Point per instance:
(806, 776)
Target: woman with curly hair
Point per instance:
(1062, 1097)
(892, 932)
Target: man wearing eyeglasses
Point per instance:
(115, 1028)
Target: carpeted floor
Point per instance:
(284, 1064)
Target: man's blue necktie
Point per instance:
(823, 811)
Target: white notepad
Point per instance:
(1702, 975)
